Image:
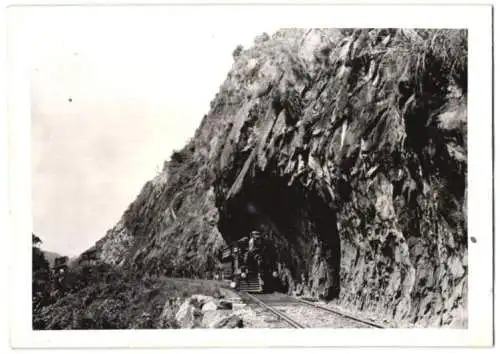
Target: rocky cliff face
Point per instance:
(348, 147)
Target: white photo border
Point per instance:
(476, 18)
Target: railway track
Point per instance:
(337, 313)
(298, 313)
(279, 314)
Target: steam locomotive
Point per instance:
(249, 265)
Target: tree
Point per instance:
(40, 278)
(35, 240)
(40, 263)
(237, 52)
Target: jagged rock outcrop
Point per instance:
(349, 148)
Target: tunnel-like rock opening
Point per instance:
(300, 227)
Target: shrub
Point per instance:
(264, 37)
(237, 52)
(178, 157)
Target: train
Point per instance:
(249, 266)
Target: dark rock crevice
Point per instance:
(298, 223)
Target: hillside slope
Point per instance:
(349, 148)
(51, 257)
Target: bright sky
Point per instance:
(139, 80)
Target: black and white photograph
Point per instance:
(208, 168)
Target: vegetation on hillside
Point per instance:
(99, 296)
(40, 276)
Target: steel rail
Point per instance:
(280, 314)
(371, 324)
